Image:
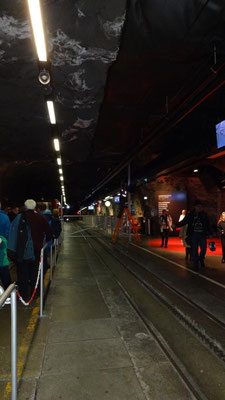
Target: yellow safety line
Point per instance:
(24, 347)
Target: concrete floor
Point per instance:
(90, 344)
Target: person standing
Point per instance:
(4, 262)
(197, 231)
(221, 229)
(26, 236)
(165, 227)
(4, 223)
(181, 233)
(13, 213)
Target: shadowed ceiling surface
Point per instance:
(139, 80)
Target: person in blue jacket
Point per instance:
(4, 223)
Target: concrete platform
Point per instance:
(90, 344)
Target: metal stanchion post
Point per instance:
(41, 284)
(14, 344)
(51, 260)
(55, 252)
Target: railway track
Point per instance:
(192, 338)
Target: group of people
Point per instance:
(195, 228)
(21, 238)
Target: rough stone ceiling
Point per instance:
(121, 71)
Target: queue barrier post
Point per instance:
(11, 291)
(51, 261)
(41, 282)
(14, 343)
(55, 252)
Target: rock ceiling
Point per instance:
(129, 79)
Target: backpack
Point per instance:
(20, 243)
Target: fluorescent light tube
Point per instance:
(56, 144)
(38, 31)
(51, 112)
(59, 161)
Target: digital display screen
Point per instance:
(117, 199)
(220, 134)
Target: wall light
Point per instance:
(59, 161)
(51, 111)
(56, 144)
(38, 31)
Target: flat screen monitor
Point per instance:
(116, 199)
(220, 134)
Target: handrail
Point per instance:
(11, 290)
(6, 294)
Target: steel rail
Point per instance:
(184, 375)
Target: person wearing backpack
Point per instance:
(26, 235)
(56, 230)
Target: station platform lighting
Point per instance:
(59, 161)
(56, 144)
(38, 30)
(51, 112)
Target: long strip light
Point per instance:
(37, 25)
(60, 171)
(59, 161)
(51, 111)
(56, 144)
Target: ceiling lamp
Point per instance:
(44, 77)
(59, 161)
(56, 144)
(61, 178)
(60, 171)
(38, 30)
(51, 112)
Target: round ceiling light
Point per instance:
(44, 77)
